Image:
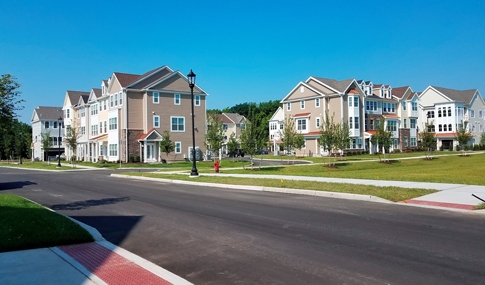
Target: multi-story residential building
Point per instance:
(446, 109)
(276, 125)
(311, 101)
(75, 117)
(46, 120)
(127, 116)
(407, 107)
(232, 123)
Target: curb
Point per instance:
(317, 193)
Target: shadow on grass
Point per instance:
(15, 185)
(80, 205)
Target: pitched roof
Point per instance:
(457, 95)
(399, 91)
(302, 115)
(85, 98)
(225, 120)
(353, 91)
(49, 113)
(97, 92)
(74, 96)
(376, 86)
(340, 86)
(234, 117)
(125, 78)
(390, 116)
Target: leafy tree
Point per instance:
(167, 145)
(383, 139)
(287, 136)
(46, 143)
(342, 140)
(463, 136)
(251, 138)
(73, 134)
(214, 111)
(9, 101)
(482, 139)
(232, 144)
(328, 136)
(428, 140)
(299, 142)
(214, 139)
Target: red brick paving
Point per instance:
(441, 204)
(109, 266)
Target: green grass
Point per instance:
(479, 207)
(394, 194)
(445, 169)
(26, 225)
(180, 165)
(39, 165)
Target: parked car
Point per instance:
(237, 153)
(262, 151)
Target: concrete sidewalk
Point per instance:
(87, 263)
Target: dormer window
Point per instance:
(382, 92)
(389, 93)
(103, 89)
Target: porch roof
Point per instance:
(144, 137)
(100, 138)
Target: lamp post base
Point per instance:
(194, 173)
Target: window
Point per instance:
(412, 122)
(480, 114)
(156, 121)
(413, 142)
(450, 128)
(449, 111)
(121, 98)
(67, 113)
(431, 129)
(473, 128)
(430, 114)
(288, 106)
(405, 124)
(356, 123)
(225, 127)
(440, 128)
(103, 90)
(301, 125)
(55, 140)
(178, 124)
(113, 150)
(156, 98)
(404, 106)
(393, 107)
(111, 99)
(377, 124)
(243, 126)
(445, 128)
(317, 102)
(439, 112)
(371, 124)
(367, 105)
(351, 123)
(384, 107)
(101, 127)
(55, 124)
(356, 101)
(472, 113)
(105, 126)
(176, 99)
(392, 126)
(302, 106)
(281, 126)
(83, 130)
(480, 127)
(105, 104)
(113, 124)
(405, 142)
(197, 100)
(116, 99)
(317, 122)
(178, 147)
(444, 111)
(350, 101)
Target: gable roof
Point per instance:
(231, 118)
(400, 91)
(126, 79)
(341, 86)
(457, 95)
(75, 95)
(48, 113)
(97, 92)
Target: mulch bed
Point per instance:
(331, 166)
(386, 162)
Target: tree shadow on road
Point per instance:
(15, 185)
(80, 205)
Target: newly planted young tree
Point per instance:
(383, 139)
(252, 138)
(287, 136)
(463, 136)
(214, 138)
(428, 140)
(46, 143)
(167, 145)
(299, 142)
(343, 136)
(328, 136)
(232, 144)
(73, 134)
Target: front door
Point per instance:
(151, 152)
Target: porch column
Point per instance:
(141, 156)
(145, 151)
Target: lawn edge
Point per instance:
(348, 196)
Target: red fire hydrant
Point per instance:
(216, 166)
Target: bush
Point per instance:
(137, 158)
(441, 148)
(132, 159)
(396, 151)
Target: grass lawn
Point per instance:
(39, 165)
(479, 207)
(394, 194)
(184, 165)
(26, 225)
(445, 169)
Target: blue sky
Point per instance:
(241, 51)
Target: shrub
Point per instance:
(397, 151)
(441, 148)
(132, 159)
(137, 158)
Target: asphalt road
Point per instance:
(222, 236)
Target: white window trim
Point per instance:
(158, 98)
(177, 131)
(195, 100)
(317, 102)
(288, 106)
(175, 99)
(302, 105)
(121, 98)
(180, 148)
(317, 122)
(155, 121)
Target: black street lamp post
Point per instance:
(191, 77)
(59, 122)
(20, 162)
